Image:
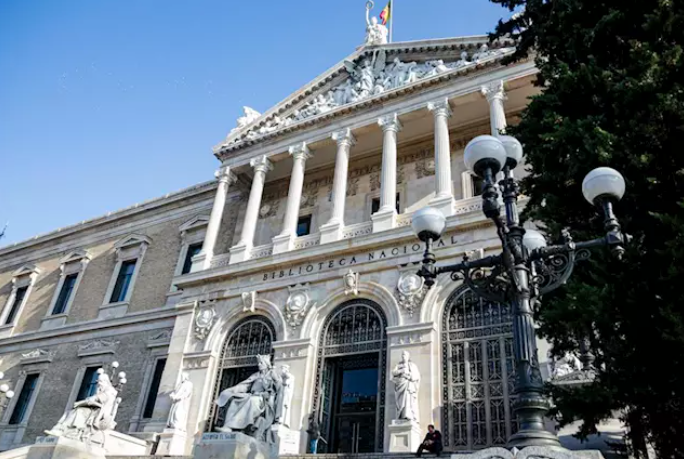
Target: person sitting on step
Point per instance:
(432, 442)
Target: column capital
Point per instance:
(225, 175)
(390, 123)
(300, 151)
(261, 164)
(493, 91)
(344, 137)
(440, 107)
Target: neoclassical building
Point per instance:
(301, 249)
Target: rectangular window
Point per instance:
(193, 249)
(24, 399)
(65, 293)
(123, 281)
(16, 304)
(477, 185)
(154, 388)
(89, 383)
(304, 225)
(375, 205)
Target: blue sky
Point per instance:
(107, 103)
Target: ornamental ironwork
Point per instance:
(478, 374)
(355, 327)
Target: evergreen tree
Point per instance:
(612, 94)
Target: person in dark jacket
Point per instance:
(432, 442)
(314, 432)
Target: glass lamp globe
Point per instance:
(2, 375)
(100, 371)
(428, 223)
(514, 150)
(4, 388)
(123, 381)
(9, 394)
(603, 182)
(533, 239)
(122, 375)
(115, 364)
(484, 151)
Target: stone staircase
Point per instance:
(311, 456)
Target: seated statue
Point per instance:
(253, 406)
(90, 416)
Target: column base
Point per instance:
(200, 262)
(171, 443)
(384, 220)
(445, 204)
(331, 232)
(240, 252)
(283, 243)
(405, 436)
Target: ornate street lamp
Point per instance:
(526, 268)
(5, 390)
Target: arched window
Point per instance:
(478, 372)
(349, 398)
(250, 337)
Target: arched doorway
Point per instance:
(478, 372)
(350, 378)
(250, 337)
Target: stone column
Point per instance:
(203, 259)
(242, 251)
(444, 195)
(284, 241)
(332, 230)
(495, 95)
(386, 217)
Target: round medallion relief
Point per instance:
(410, 283)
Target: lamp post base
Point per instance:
(524, 438)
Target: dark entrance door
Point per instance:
(354, 394)
(349, 398)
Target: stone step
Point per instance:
(149, 457)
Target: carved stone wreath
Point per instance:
(204, 320)
(297, 305)
(425, 167)
(411, 291)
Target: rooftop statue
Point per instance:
(376, 34)
(254, 405)
(249, 115)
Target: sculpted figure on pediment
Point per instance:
(376, 34)
(249, 115)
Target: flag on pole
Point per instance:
(386, 13)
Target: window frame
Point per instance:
(159, 349)
(13, 434)
(30, 398)
(150, 384)
(74, 263)
(376, 196)
(91, 384)
(129, 248)
(310, 225)
(468, 185)
(25, 276)
(192, 232)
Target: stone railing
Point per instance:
(309, 240)
(465, 206)
(262, 251)
(404, 219)
(220, 260)
(357, 229)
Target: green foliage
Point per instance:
(612, 77)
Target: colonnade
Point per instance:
(386, 216)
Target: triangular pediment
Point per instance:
(198, 221)
(132, 240)
(26, 270)
(76, 255)
(368, 76)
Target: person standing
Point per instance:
(432, 442)
(314, 432)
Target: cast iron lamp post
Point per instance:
(526, 268)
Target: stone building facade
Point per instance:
(301, 249)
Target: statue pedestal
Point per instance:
(288, 440)
(51, 447)
(217, 445)
(171, 443)
(405, 436)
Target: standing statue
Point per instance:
(249, 115)
(376, 34)
(90, 416)
(567, 364)
(406, 379)
(288, 390)
(180, 400)
(254, 404)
